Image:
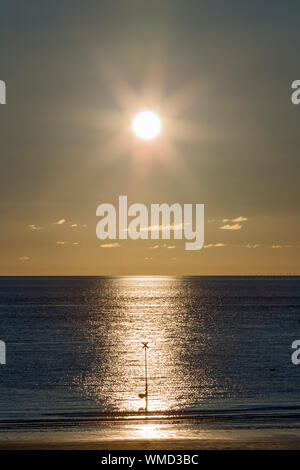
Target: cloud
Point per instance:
(148, 258)
(251, 245)
(179, 226)
(60, 222)
(154, 247)
(110, 245)
(231, 227)
(278, 246)
(64, 242)
(215, 245)
(75, 225)
(171, 247)
(34, 227)
(160, 227)
(240, 219)
(24, 258)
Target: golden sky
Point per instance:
(219, 78)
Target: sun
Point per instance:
(146, 125)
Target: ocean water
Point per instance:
(219, 354)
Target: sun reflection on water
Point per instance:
(149, 431)
(135, 309)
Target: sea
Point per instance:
(218, 359)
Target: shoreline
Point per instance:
(158, 444)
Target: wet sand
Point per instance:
(158, 444)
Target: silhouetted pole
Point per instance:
(145, 346)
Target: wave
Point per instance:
(242, 415)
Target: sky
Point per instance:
(218, 73)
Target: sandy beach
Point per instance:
(158, 444)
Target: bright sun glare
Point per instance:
(146, 125)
